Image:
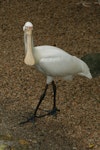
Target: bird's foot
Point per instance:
(53, 111)
(31, 119)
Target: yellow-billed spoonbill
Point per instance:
(52, 62)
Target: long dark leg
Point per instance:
(41, 99)
(54, 109)
(54, 91)
(32, 118)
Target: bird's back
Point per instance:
(50, 51)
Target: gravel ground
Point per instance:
(72, 27)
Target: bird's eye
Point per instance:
(27, 28)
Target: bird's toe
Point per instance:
(31, 119)
(53, 111)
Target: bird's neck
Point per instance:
(29, 43)
(29, 58)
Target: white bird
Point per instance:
(52, 62)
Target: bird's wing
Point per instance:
(59, 66)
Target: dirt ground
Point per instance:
(72, 27)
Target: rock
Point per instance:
(93, 61)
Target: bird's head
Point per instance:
(28, 41)
(28, 27)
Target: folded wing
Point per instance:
(60, 66)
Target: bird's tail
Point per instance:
(85, 70)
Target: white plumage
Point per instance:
(52, 62)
